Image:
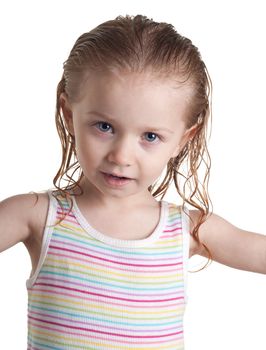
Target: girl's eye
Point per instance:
(103, 126)
(150, 136)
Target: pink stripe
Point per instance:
(70, 219)
(106, 333)
(155, 271)
(107, 327)
(135, 307)
(114, 262)
(91, 336)
(99, 250)
(101, 289)
(105, 296)
(110, 255)
(63, 212)
(173, 229)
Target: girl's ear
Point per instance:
(188, 135)
(67, 112)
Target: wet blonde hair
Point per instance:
(139, 44)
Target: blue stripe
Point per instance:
(101, 319)
(173, 248)
(110, 285)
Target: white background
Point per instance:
(227, 307)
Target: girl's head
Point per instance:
(162, 77)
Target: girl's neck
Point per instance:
(95, 198)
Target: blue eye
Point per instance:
(103, 126)
(150, 136)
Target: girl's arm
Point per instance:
(19, 218)
(230, 245)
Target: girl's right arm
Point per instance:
(20, 217)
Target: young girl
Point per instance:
(109, 260)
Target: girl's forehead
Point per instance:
(145, 86)
(146, 77)
(135, 96)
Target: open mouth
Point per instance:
(115, 180)
(115, 176)
(118, 177)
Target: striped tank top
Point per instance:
(91, 291)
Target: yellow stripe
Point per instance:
(71, 339)
(178, 277)
(70, 227)
(176, 241)
(87, 305)
(170, 278)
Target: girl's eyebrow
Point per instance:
(102, 115)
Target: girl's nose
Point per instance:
(121, 153)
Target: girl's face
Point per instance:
(126, 128)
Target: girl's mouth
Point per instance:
(116, 181)
(118, 177)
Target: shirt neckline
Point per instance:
(122, 242)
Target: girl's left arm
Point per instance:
(230, 245)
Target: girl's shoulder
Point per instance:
(22, 218)
(230, 245)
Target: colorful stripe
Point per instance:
(88, 294)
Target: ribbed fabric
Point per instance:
(91, 291)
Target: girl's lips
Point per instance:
(115, 181)
(116, 175)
